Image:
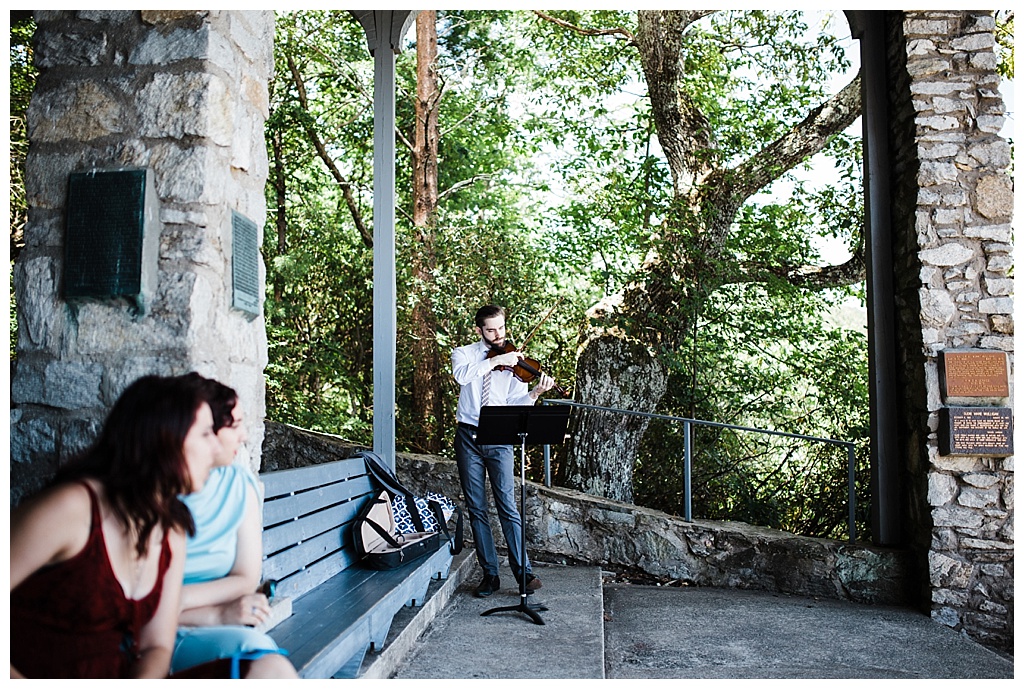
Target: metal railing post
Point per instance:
(687, 505)
(547, 466)
(851, 463)
(688, 452)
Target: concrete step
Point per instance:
(410, 623)
(593, 629)
(461, 643)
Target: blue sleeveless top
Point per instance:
(218, 510)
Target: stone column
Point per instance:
(953, 203)
(182, 94)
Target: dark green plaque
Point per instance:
(103, 251)
(982, 431)
(245, 264)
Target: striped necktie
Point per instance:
(485, 396)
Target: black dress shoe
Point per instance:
(489, 585)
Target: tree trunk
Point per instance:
(661, 306)
(281, 216)
(427, 399)
(612, 372)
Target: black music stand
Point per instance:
(526, 425)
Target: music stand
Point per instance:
(526, 425)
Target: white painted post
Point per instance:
(384, 290)
(384, 32)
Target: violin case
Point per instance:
(378, 542)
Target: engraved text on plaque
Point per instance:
(975, 374)
(976, 431)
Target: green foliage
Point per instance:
(1005, 42)
(488, 238)
(22, 81)
(554, 190)
(764, 358)
(746, 348)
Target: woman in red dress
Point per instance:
(97, 558)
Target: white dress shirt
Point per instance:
(469, 364)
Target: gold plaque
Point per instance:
(975, 374)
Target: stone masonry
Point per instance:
(184, 94)
(952, 213)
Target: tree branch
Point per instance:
(851, 272)
(802, 141)
(463, 184)
(619, 32)
(321, 149)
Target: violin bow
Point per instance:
(533, 332)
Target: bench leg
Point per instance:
(350, 670)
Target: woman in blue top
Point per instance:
(219, 602)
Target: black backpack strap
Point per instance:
(381, 531)
(392, 541)
(460, 540)
(455, 544)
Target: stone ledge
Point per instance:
(566, 526)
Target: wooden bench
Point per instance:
(339, 609)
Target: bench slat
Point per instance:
(286, 562)
(291, 506)
(290, 480)
(301, 581)
(283, 535)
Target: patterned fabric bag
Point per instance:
(432, 512)
(403, 518)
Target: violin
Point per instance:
(526, 369)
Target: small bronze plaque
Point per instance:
(245, 264)
(975, 374)
(976, 431)
(103, 250)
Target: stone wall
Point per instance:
(568, 526)
(184, 94)
(952, 213)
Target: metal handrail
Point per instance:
(687, 453)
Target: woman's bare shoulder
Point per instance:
(60, 501)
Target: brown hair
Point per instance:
(221, 398)
(139, 455)
(489, 311)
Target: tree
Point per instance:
(721, 148)
(427, 388)
(464, 239)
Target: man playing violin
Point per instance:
(485, 380)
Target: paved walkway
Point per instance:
(623, 631)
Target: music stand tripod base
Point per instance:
(523, 607)
(530, 425)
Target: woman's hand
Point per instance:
(251, 609)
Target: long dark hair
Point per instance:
(139, 456)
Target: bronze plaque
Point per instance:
(975, 374)
(976, 431)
